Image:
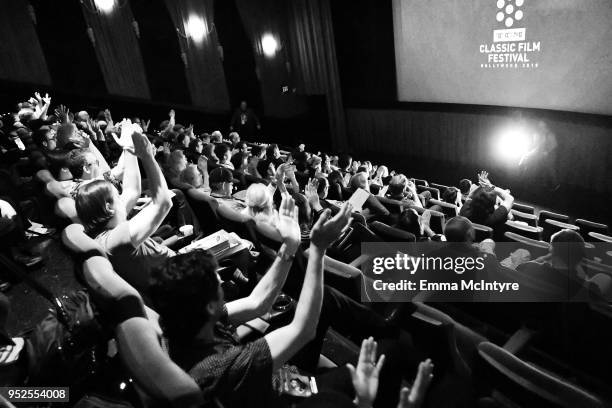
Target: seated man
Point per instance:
(482, 207)
(199, 324)
(221, 186)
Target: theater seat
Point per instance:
(551, 226)
(596, 237)
(537, 248)
(420, 182)
(435, 193)
(523, 208)
(482, 232)
(448, 209)
(440, 187)
(519, 383)
(391, 234)
(528, 218)
(524, 230)
(590, 226)
(545, 215)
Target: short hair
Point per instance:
(216, 137)
(234, 136)
(356, 180)
(189, 175)
(568, 246)
(181, 137)
(76, 160)
(221, 149)
(91, 205)
(464, 186)
(181, 288)
(344, 161)
(241, 144)
(238, 159)
(459, 229)
(397, 185)
(450, 194)
(408, 221)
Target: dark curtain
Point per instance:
(274, 72)
(21, 57)
(202, 60)
(117, 49)
(314, 54)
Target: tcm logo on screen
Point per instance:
(510, 48)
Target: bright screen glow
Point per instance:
(105, 6)
(512, 144)
(269, 45)
(196, 28)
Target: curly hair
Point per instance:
(181, 288)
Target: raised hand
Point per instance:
(483, 179)
(47, 99)
(127, 129)
(145, 125)
(63, 114)
(311, 193)
(288, 226)
(413, 397)
(365, 376)
(327, 230)
(142, 146)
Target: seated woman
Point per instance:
(103, 213)
(177, 162)
(481, 207)
(195, 150)
(372, 207)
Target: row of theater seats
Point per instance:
(494, 373)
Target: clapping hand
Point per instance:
(125, 140)
(312, 194)
(365, 376)
(413, 397)
(288, 226)
(327, 230)
(63, 114)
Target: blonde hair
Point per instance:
(259, 203)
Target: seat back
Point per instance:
(391, 234)
(420, 182)
(448, 209)
(596, 237)
(527, 385)
(523, 208)
(435, 193)
(590, 226)
(524, 230)
(206, 213)
(545, 215)
(537, 248)
(551, 226)
(482, 232)
(528, 218)
(440, 187)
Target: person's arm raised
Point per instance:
(131, 173)
(267, 290)
(286, 341)
(146, 222)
